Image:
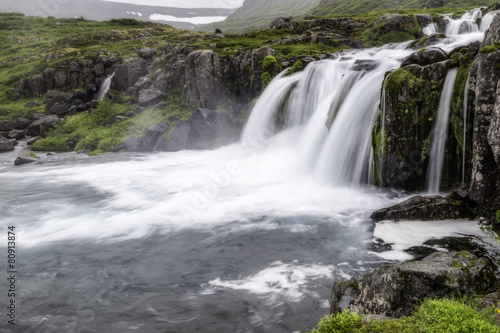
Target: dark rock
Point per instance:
(218, 31)
(37, 116)
(395, 290)
(16, 134)
(146, 52)
(51, 153)
(281, 22)
(180, 136)
(22, 123)
(32, 104)
(431, 208)
(73, 110)
(21, 160)
(127, 74)
(149, 97)
(5, 144)
(203, 77)
(48, 76)
(148, 141)
(433, 4)
(42, 125)
(60, 79)
(118, 119)
(99, 69)
(37, 85)
(33, 140)
(53, 94)
(131, 144)
(426, 41)
(59, 109)
(6, 126)
(425, 57)
(484, 79)
(424, 19)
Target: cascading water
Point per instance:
(430, 29)
(465, 118)
(466, 24)
(245, 238)
(439, 136)
(487, 20)
(106, 84)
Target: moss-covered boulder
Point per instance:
(402, 135)
(395, 290)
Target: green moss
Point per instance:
(269, 62)
(266, 78)
(491, 48)
(298, 66)
(432, 316)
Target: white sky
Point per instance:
(186, 3)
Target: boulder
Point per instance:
(149, 97)
(203, 76)
(180, 136)
(146, 52)
(21, 160)
(127, 74)
(33, 140)
(22, 123)
(148, 141)
(42, 125)
(16, 134)
(32, 104)
(425, 57)
(430, 208)
(6, 126)
(6, 145)
(395, 290)
(425, 42)
(48, 76)
(131, 144)
(37, 85)
(60, 80)
(99, 69)
(59, 109)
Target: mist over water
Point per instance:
(246, 238)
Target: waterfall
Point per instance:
(327, 112)
(487, 20)
(106, 84)
(465, 109)
(465, 24)
(331, 124)
(430, 29)
(436, 160)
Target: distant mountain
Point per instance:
(259, 13)
(104, 10)
(326, 7)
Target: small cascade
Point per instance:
(465, 116)
(430, 29)
(487, 20)
(438, 148)
(464, 25)
(106, 84)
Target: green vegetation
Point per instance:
(432, 316)
(298, 66)
(364, 6)
(87, 131)
(491, 48)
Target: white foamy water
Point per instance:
(407, 234)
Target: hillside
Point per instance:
(259, 13)
(103, 10)
(327, 7)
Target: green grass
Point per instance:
(432, 316)
(365, 6)
(86, 131)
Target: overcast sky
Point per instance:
(186, 3)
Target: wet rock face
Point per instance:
(402, 136)
(484, 81)
(395, 290)
(203, 75)
(431, 208)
